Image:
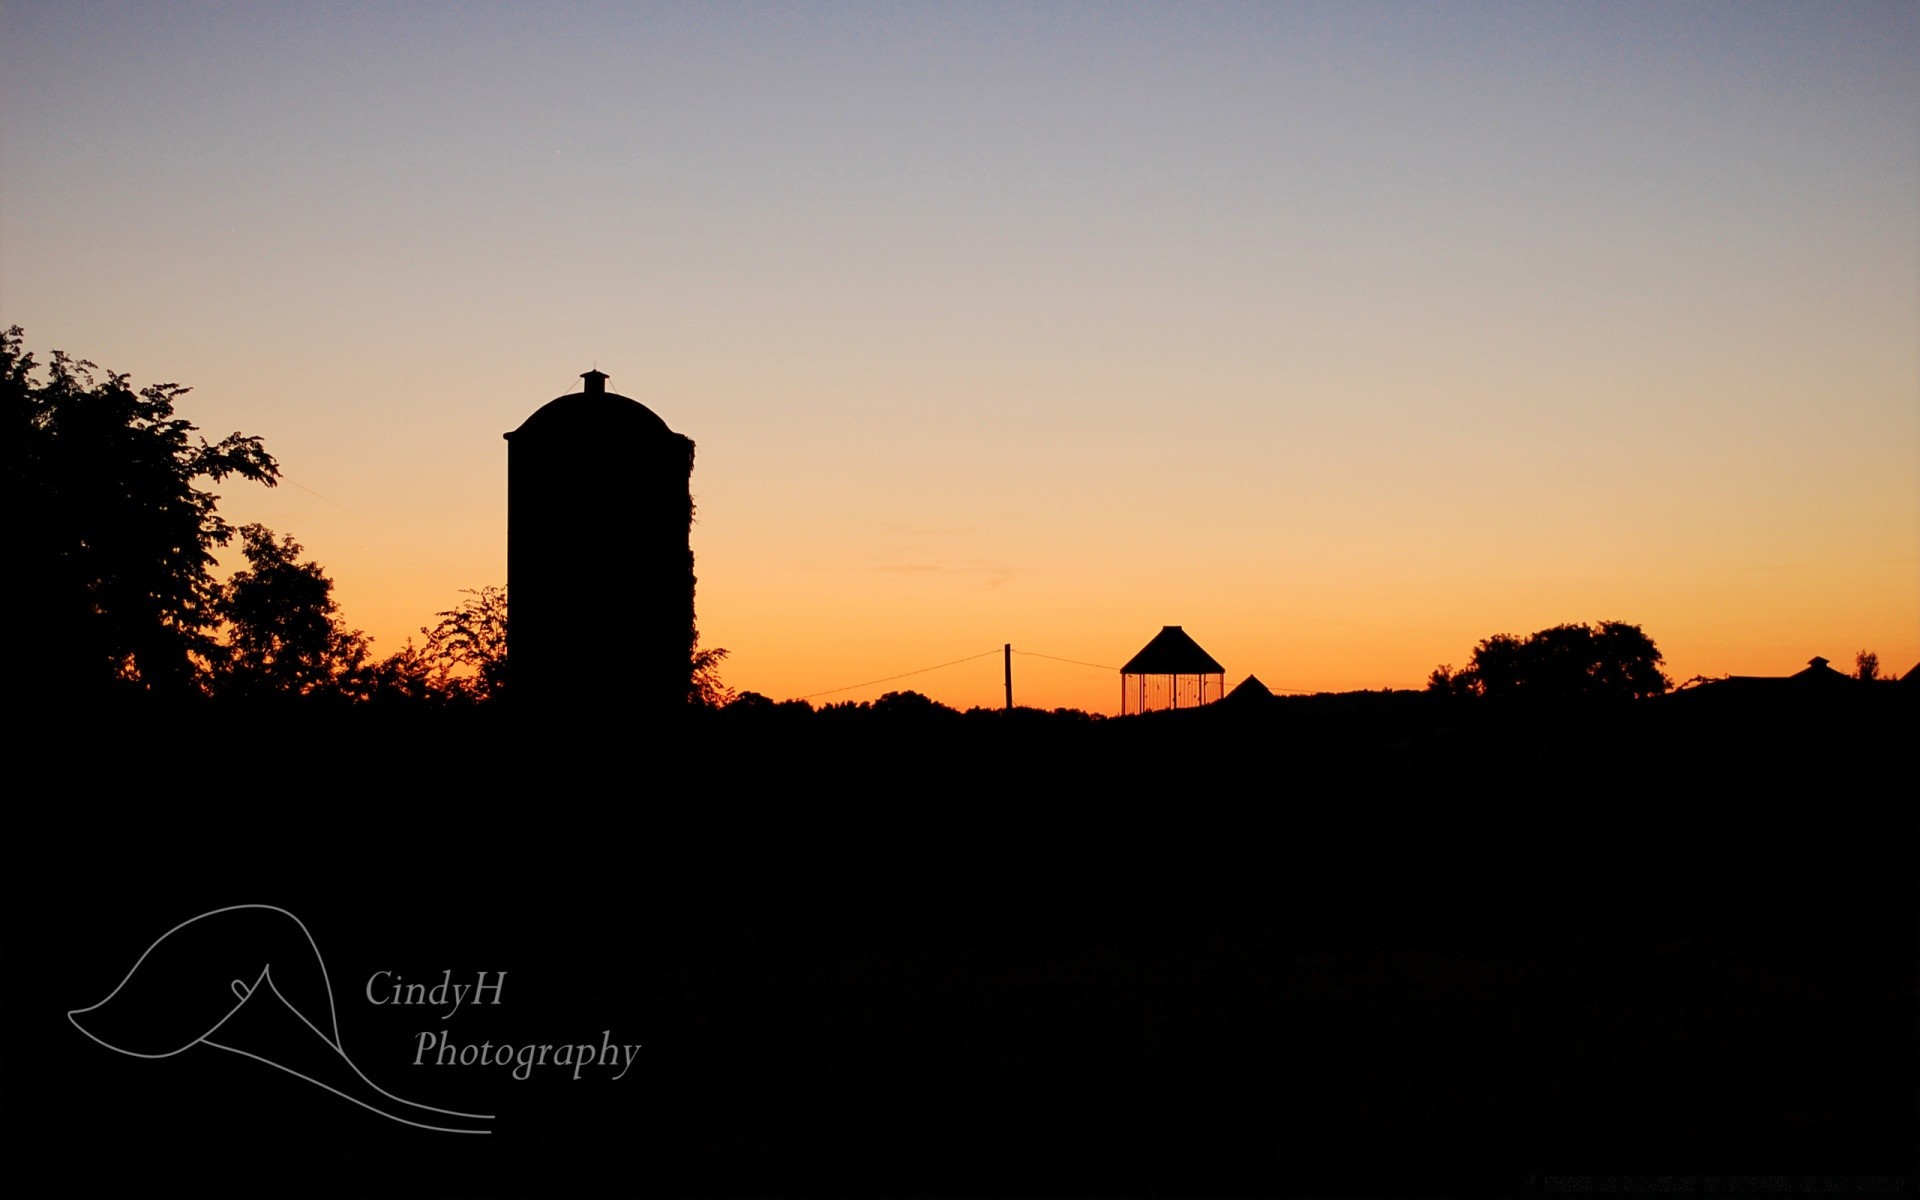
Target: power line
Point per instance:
(904, 674)
(1076, 662)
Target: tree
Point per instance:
(705, 689)
(1611, 660)
(1866, 666)
(467, 648)
(911, 706)
(464, 660)
(892, 706)
(283, 637)
(404, 677)
(111, 528)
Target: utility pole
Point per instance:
(1007, 653)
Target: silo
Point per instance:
(599, 561)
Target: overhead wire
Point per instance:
(904, 674)
(1076, 662)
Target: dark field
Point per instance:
(1361, 951)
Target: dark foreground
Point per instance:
(1354, 953)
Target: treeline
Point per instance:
(114, 545)
(907, 706)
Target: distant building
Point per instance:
(1817, 687)
(1171, 671)
(1818, 674)
(599, 559)
(1249, 693)
(1817, 711)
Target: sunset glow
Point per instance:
(1341, 335)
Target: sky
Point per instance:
(1342, 335)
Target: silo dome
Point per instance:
(594, 408)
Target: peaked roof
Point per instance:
(1819, 672)
(1251, 686)
(1250, 695)
(1172, 652)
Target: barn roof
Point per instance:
(1172, 652)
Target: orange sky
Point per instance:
(1343, 336)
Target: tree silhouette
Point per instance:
(283, 637)
(467, 648)
(406, 678)
(704, 687)
(112, 528)
(897, 707)
(463, 660)
(1611, 660)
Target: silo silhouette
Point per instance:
(599, 562)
